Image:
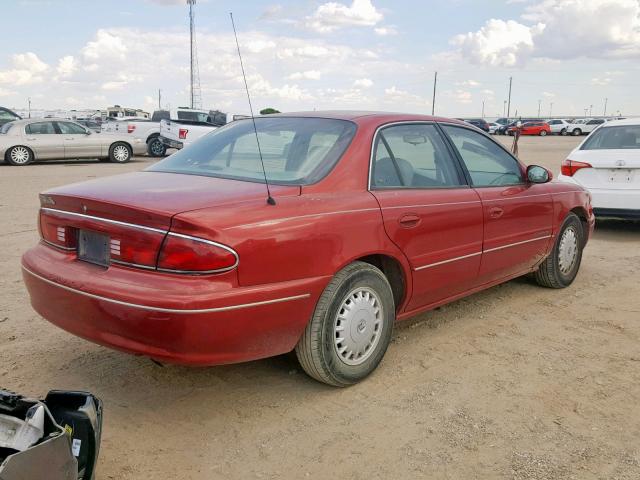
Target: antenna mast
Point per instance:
(196, 95)
(270, 199)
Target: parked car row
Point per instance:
(536, 126)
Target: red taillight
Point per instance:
(182, 133)
(130, 128)
(185, 254)
(57, 233)
(570, 167)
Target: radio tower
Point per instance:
(196, 94)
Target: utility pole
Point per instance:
(509, 102)
(539, 105)
(482, 108)
(196, 97)
(585, 112)
(433, 103)
(550, 108)
(605, 107)
(159, 99)
(590, 108)
(504, 108)
(29, 100)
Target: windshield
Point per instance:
(614, 138)
(296, 151)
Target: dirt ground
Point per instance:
(517, 382)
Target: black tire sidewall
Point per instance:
(150, 150)
(566, 280)
(350, 374)
(11, 162)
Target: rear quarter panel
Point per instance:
(566, 198)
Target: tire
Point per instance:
(557, 271)
(343, 361)
(543, 133)
(155, 147)
(19, 156)
(576, 132)
(120, 152)
(563, 132)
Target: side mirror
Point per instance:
(537, 174)
(88, 131)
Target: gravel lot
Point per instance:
(517, 382)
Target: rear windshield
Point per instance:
(296, 151)
(615, 138)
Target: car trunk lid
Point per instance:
(619, 168)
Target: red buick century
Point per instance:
(372, 218)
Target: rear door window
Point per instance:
(40, 128)
(413, 156)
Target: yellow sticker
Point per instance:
(68, 430)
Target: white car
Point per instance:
(607, 163)
(189, 125)
(580, 127)
(493, 127)
(558, 126)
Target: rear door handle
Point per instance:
(31, 139)
(409, 220)
(495, 212)
(69, 138)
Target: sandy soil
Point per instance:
(517, 382)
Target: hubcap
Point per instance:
(358, 326)
(20, 155)
(568, 250)
(156, 147)
(121, 153)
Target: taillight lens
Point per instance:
(58, 234)
(570, 167)
(185, 254)
(182, 133)
(131, 128)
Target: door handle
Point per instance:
(69, 138)
(409, 220)
(31, 139)
(495, 212)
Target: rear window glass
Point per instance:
(6, 127)
(295, 151)
(614, 138)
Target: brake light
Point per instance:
(182, 133)
(57, 234)
(186, 254)
(570, 167)
(130, 128)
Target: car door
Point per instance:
(591, 125)
(79, 142)
(518, 215)
(428, 209)
(45, 141)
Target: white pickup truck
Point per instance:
(189, 126)
(147, 129)
(582, 126)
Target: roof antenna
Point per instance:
(270, 199)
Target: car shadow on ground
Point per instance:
(83, 161)
(617, 230)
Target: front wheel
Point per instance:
(577, 132)
(351, 327)
(560, 268)
(543, 133)
(120, 153)
(563, 132)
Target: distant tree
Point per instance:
(267, 111)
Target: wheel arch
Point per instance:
(584, 219)
(396, 274)
(152, 136)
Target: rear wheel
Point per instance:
(561, 266)
(351, 327)
(120, 153)
(576, 132)
(19, 155)
(156, 148)
(543, 133)
(563, 132)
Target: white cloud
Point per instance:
(66, 66)
(107, 45)
(548, 94)
(26, 69)
(363, 83)
(557, 30)
(306, 75)
(165, 3)
(386, 31)
(468, 83)
(333, 15)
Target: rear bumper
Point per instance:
(174, 318)
(171, 143)
(610, 200)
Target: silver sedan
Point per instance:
(26, 141)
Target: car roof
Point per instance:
(26, 121)
(626, 121)
(355, 115)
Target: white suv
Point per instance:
(580, 127)
(558, 127)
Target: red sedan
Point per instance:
(532, 128)
(371, 218)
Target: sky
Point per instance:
(564, 56)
